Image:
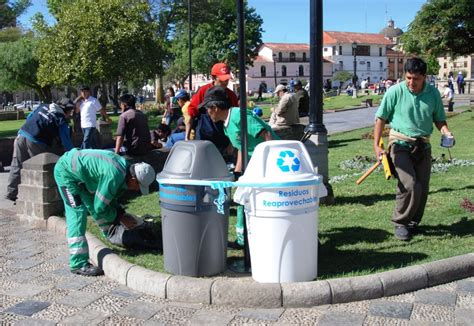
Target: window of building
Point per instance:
(304, 56)
(334, 50)
(445, 65)
(363, 50)
(380, 52)
(283, 71)
(368, 65)
(340, 49)
(263, 71)
(280, 56)
(400, 60)
(300, 71)
(391, 60)
(381, 65)
(292, 56)
(465, 64)
(325, 49)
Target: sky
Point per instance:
(287, 21)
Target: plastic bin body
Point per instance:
(282, 222)
(194, 234)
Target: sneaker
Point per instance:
(10, 197)
(88, 270)
(402, 233)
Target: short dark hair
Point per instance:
(220, 104)
(129, 100)
(415, 65)
(164, 128)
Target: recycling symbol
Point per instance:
(287, 161)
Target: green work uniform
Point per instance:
(409, 113)
(89, 180)
(255, 126)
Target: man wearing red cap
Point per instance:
(205, 128)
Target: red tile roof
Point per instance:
(349, 37)
(287, 46)
(259, 58)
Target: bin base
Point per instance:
(195, 244)
(283, 249)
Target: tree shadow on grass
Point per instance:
(366, 200)
(341, 142)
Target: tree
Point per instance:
(98, 41)
(342, 76)
(10, 10)
(215, 39)
(19, 65)
(442, 27)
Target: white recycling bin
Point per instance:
(280, 194)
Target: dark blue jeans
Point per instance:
(89, 140)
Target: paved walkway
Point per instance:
(37, 288)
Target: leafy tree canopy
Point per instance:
(442, 27)
(98, 40)
(10, 10)
(18, 66)
(342, 76)
(214, 39)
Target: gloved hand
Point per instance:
(128, 220)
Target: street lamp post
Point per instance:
(275, 70)
(354, 78)
(190, 45)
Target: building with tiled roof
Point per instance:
(278, 63)
(370, 53)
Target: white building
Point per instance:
(464, 64)
(278, 63)
(370, 51)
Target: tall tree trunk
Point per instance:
(160, 98)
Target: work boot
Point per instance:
(88, 270)
(402, 233)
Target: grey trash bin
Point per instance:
(194, 233)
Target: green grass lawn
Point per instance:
(355, 233)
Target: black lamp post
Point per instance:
(190, 48)
(354, 78)
(275, 70)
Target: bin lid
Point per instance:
(195, 159)
(279, 161)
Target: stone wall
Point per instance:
(12, 115)
(38, 196)
(294, 132)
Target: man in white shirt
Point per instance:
(89, 106)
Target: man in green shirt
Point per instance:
(217, 104)
(411, 107)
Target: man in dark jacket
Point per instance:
(43, 125)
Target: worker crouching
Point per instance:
(92, 181)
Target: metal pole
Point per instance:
(315, 71)
(274, 70)
(243, 111)
(190, 45)
(354, 78)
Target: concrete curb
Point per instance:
(245, 292)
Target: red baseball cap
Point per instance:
(221, 71)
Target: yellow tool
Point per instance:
(386, 165)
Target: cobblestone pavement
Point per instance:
(36, 288)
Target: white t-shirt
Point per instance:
(89, 109)
(448, 93)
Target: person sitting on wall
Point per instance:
(286, 112)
